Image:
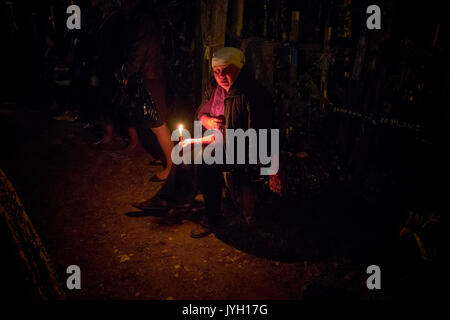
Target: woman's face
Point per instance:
(226, 75)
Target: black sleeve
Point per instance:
(260, 109)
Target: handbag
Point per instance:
(134, 100)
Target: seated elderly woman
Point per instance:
(232, 100)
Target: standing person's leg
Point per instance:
(134, 140)
(105, 107)
(157, 89)
(108, 130)
(163, 135)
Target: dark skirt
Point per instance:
(134, 117)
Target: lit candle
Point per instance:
(180, 129)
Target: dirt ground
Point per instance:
(78, 197)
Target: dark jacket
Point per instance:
(247, 104)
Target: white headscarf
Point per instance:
(228, 55)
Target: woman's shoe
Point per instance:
(205, 227)
(200, 232)
(157, 162)
(155, 203)
(155, 178)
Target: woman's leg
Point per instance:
(163, 134)
(134, 139)
(108, 131)
(105, 110)
(157, 89)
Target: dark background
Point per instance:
(370, 107)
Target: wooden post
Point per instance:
(325, 59)
(295, 25)
(29, 246)
(198, 55)
(213, 26)
(238, 18)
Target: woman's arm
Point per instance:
(204, 140)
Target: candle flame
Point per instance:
(180, 129)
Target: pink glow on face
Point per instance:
(226, 75)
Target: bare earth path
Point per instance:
(78, 197)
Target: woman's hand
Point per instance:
(205, 140)
(186, 143)
(211, 122)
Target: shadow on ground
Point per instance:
(333, 224)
